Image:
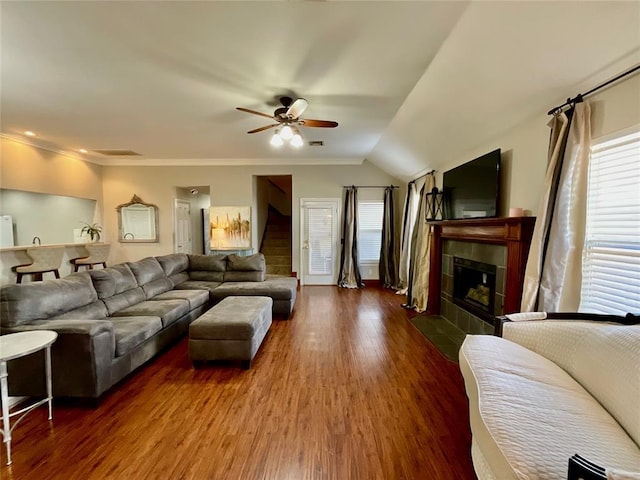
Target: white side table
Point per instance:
(17, 345)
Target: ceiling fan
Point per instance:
(288, 119)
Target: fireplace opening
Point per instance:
(474, 287)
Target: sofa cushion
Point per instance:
(528, 415)
(168, 310)
(197, 285)
(22, 303)
(147, 270)
(243, 276)
(113, 280)
(178, 278)
(208, 268)
(250, 263)
(245, 269)
(123, 300)
(156, 287)
(206, 276)
(282, 288)
(194, 297)
(589, 352)
(94, 311)
(132, 331)
(212, 263)
(117, 287)
(174, 263)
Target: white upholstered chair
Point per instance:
(98, 255)
(45, 259)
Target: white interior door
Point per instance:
(319, 241)
(183, 227)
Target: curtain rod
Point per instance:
(423, 175)
(370, 186)
(578, 98)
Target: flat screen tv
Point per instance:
(472, 190)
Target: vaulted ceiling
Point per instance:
(408, 82)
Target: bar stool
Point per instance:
(45, 259)
(98, 255)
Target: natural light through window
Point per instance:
(369, 231)
(611, 258)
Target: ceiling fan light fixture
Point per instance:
(276, 140)
(296, 141)
(288, 120)
(286, 133)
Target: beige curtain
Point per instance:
(553, 276)
(418, 292)
(408, 223)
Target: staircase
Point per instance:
(276, 244)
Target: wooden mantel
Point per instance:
(514, 232)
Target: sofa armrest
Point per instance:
(500, 321)
(81, 359)
(62, 327)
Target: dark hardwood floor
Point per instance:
(347, 389)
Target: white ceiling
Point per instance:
(401, 78)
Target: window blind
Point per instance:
(611, 257)
(320, 235)
(369, 231)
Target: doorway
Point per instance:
(272, 206)
(183, 242)
(189, 229)
(319, 240)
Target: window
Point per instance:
(369, 231)
(611, 258)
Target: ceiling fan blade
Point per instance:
(254, 112)
(297, 108)
(261, 129)
(308, 122)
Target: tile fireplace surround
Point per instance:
(503, 242)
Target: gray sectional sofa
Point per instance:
(111, 321)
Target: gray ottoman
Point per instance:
(231, 330)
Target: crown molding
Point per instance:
(184, 162)
(50, 148)
(225, 162)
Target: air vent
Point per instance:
(316, 143)
(118, 153)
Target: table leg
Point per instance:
(6, 427)
(47, 364)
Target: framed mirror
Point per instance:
(137, 222)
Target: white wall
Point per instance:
(52, 218)
(31, 169)
(228, 186)
(524, 147)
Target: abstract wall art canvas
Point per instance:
(230, 228)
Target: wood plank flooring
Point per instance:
(347, 389)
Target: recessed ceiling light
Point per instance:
(29, 133)
(83, 150)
